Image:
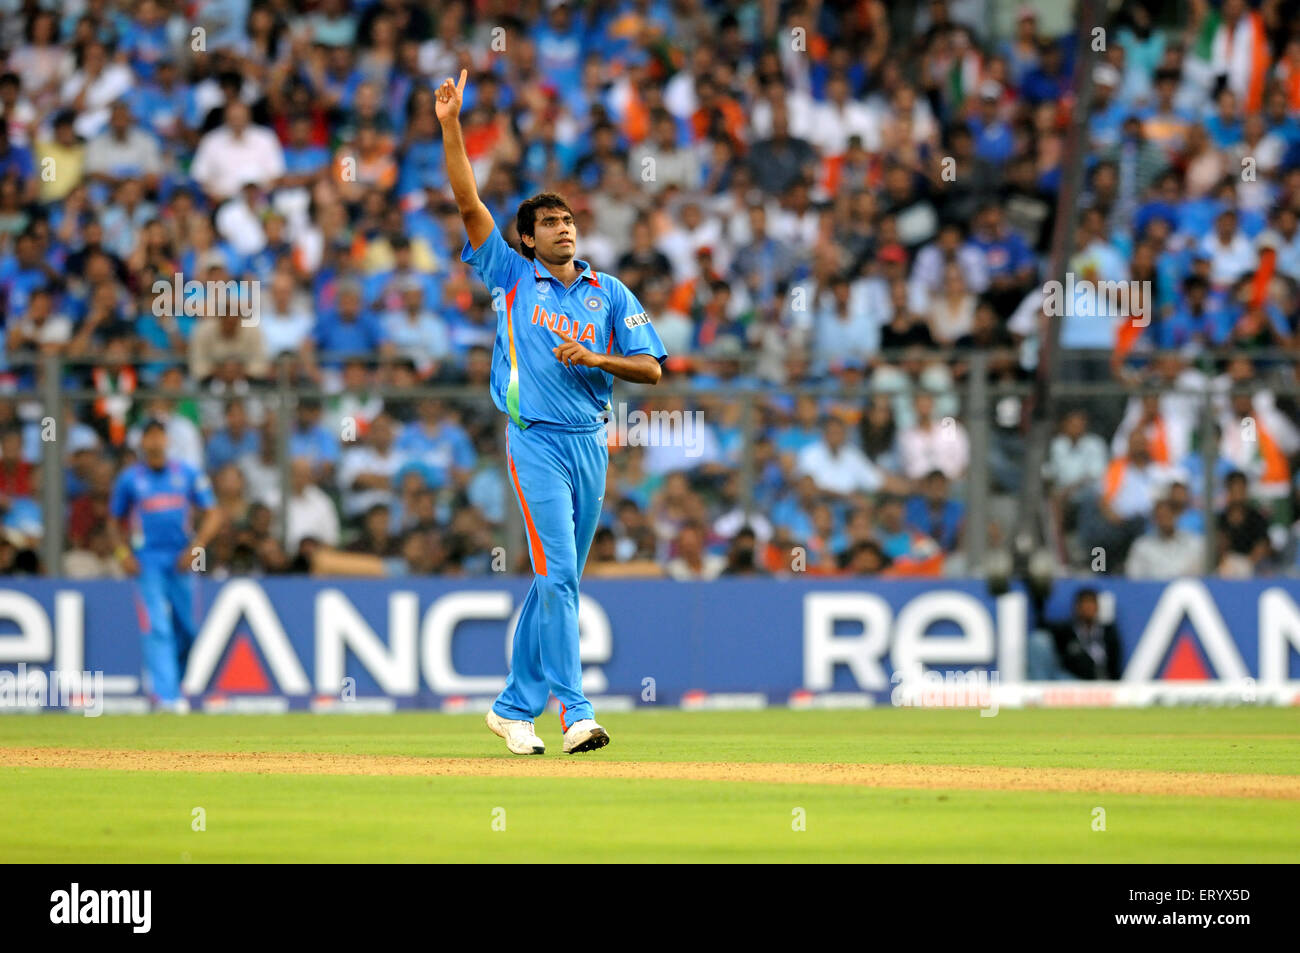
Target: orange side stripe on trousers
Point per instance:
(534, 541)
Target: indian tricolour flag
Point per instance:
(1239, 50)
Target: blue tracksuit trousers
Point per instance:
(559, 479)
(167, 606)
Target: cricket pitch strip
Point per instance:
(901, 776)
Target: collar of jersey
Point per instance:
(586, 273)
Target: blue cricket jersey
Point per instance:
(535, 313)
(159, 502)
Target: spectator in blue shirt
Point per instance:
(934, 514)
(1047, 82)
(235, 442)
(311, 440)
(439, 445)
(422, 165)
(21, 273)
(803, 430)
(1008, 260)
(164, 106)
(559, 48)
(1196, 318)
(17, 161)
(144, 39)
(351, 329)
(994, 141)
(1224, 126)
(304, 161)
(385, 290)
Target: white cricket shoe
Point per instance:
(584, 735)
(520, 736)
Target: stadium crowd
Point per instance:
(834, 204)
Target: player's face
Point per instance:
(153, 445)
(555, 236)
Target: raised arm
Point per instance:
(478, 220)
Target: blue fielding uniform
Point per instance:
(159, 504)
(556, 450)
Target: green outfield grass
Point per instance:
(79, 815)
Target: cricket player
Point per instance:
(564, 332)
(156, 496)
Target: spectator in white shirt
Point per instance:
(1169, 439)
(287, 317)
(839, 118)
(933, 444)
(1076, 459)
(1129, 489)
(417, 332)
(310, 511)
(235, 154)
(367, 472)
(951, 313)
(661, 163)
(845, 326)
(693, 231)
(926, 280)
(92, 88)
(262, 469)
(40, 329)
(692, 561)
(123, 151)
(1285, 237)
(836, 466)
(1166, 552)
(1134, 482)
(797, 222)
(1231, 253)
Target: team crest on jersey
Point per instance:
(543, 287)
(593, 304)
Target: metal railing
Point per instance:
(978, 395)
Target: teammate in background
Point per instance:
(564, 332)
(157, 495)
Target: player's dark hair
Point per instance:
(1085, 593)
(526, 218)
